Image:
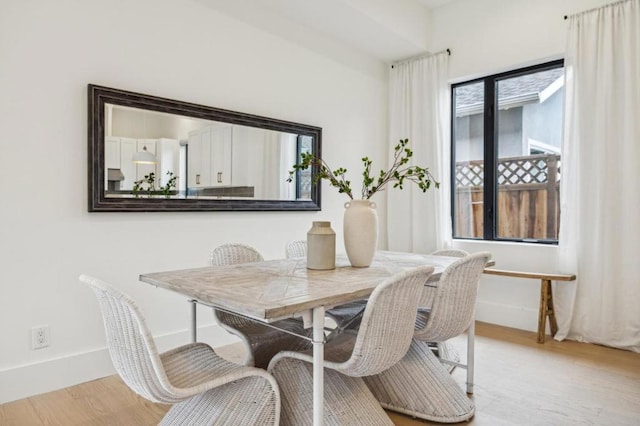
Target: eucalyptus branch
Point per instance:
(370, 185)
(336, 178)
(149, 180)
(171, 183)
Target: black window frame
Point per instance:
(490, 109)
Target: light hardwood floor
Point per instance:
(518, 382)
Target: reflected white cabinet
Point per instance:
(118, 155)
(221, 156)
(111, 156)
(112, 152)
(119, 152)
(128, 147)
(168, 155)
(194, 156)
(209, 157)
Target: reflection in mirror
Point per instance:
(195, 157)
(208, 158)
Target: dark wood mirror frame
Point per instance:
(98, 96)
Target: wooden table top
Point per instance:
(274, 289)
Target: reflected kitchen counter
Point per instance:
(222, 191)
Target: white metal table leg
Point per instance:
(318, 366)
(194, 332)
(471, 332)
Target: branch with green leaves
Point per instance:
(150, 182)
(336, 178)
(398, 173)
(171, 183)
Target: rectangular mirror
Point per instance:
(154, 154)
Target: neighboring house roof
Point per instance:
(514, 91)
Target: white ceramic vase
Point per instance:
(360, 232)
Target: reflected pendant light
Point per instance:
(144, 157)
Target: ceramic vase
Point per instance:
(360, 232)
(321, 246)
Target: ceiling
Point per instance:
(382, 29)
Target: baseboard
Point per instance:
(53, 374)
(507, 315)
(69, 370)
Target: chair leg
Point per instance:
(471, 336)
(318, 365)
(450, 358)
(194, 323)
(447, 354)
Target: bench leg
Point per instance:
(553, 324)
(546, 309)
(542, 314)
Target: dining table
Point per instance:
(272, 290)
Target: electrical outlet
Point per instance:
(40, 337)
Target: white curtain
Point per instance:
(419, 111)
(600, 195)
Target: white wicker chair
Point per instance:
(295, 248)
(382, 339)
(203, 388)
(451, 253)
(419, 385)
(427, 296)
(262, 341)
(443, 350)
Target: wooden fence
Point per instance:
(528, 197)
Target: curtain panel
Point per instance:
(419, 111)
(600, 203)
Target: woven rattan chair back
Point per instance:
(234, 253)
(428, 294)
(297, 248)
(455, 300)
(131, 346)
(262, 342)
(451, 253)
(386, 329)
(191, 377)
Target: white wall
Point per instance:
(490, 36)
(182, 50)
(487, 37)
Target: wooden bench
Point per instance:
(546, 296)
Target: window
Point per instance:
(304, 144)
(506, 134)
